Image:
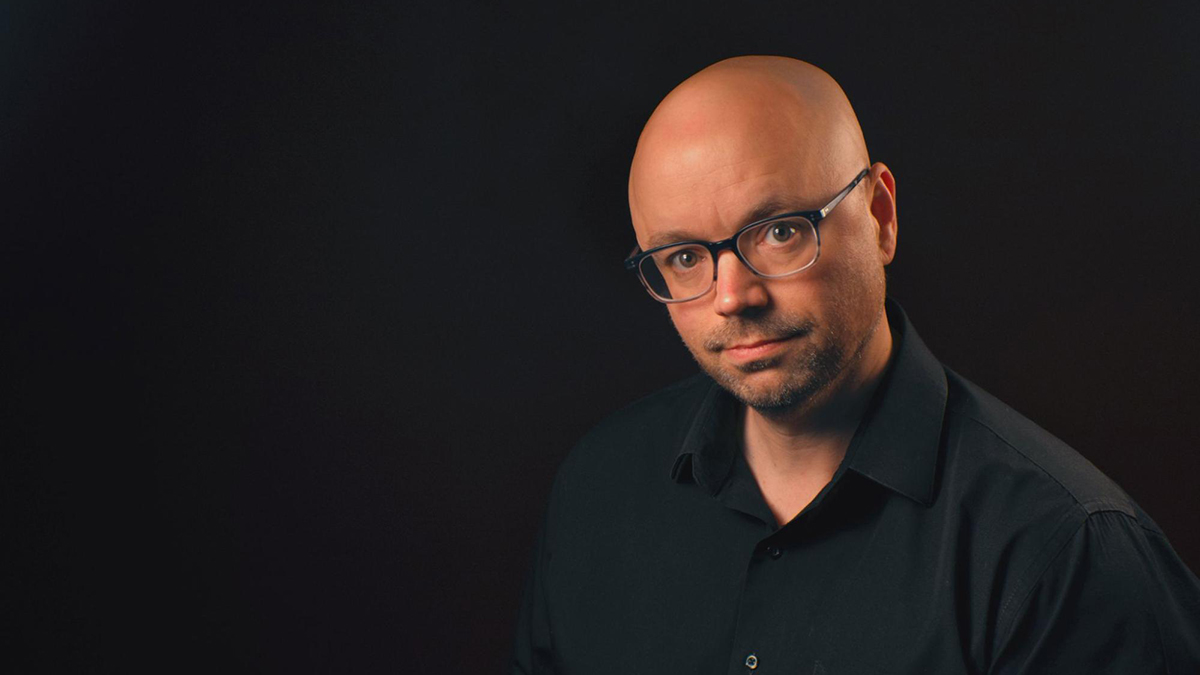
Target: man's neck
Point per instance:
(794, 456)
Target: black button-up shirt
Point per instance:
(955, 537)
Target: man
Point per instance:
(828, 498)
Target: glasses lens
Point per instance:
(678, 272)
(780, 247)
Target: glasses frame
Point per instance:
(634, 261)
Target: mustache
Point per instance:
(761, 328)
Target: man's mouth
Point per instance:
(752, 350)
(750, 343)
(756, 343)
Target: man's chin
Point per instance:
(764, 387)
(759, 366)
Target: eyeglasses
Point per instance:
(775, 247)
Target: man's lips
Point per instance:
(755, 349)
(758, 343)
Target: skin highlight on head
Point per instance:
(742, 140)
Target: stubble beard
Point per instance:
(806, 374)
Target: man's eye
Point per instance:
(684, 260)
(780, 233)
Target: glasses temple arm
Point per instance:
(629, 262)
(842, 195)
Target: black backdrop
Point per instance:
(304, 303)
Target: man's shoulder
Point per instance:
(672, 407)
(645, 433)
(1005, 447)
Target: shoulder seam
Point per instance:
(1107, 506)
(1153, 530)
(1028, 588)
(1027, 592)
(1089, 507)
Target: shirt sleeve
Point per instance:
(533, 647)
(1113, 598)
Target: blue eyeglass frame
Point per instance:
(633, 261)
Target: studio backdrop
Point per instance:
(305, 303)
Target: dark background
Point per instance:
(304, 303)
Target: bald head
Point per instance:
(736, 120)
(745, 140)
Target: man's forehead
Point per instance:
(713, 195)
(671, 230)
(724, 170)
(743, 138)
(721, 146)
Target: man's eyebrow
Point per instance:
(765, 209)
(669, 237)
(772, 206)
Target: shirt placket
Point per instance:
(779, 589)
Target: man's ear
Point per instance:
(883, 210)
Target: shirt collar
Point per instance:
(896, 444)
(708, 449)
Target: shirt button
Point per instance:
(774, 552)
(752, 662)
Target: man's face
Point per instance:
(773, 343)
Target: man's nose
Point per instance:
(738, 289)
